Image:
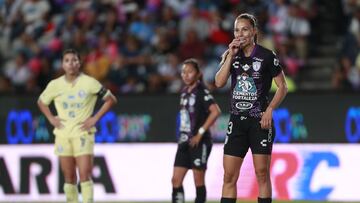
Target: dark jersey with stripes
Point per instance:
(194, 109)
(251, 79)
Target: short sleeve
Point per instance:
(98, 89)
(207, 98)
(274, 65)
(94, 86)
(49, 93)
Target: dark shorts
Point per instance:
(190, 157)
(246, 132)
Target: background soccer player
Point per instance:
(252, 68)
(74, 95)
(198, 111)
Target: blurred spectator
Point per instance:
(136, 46)
(299, 29)
(194, 21)
(181, 7)
(340, 79)
(19, 73)
(141, 26)
(192, 46)
(169, 73)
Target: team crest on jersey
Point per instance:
(82, 141)
(82, 94)
(256, 65)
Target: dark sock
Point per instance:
(264, 200)
(228, 200)
(178, 195)
(200, 194)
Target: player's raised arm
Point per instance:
(223, 73)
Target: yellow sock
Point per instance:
(71, 193)
(87, 191)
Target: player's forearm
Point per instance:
(223, 74)
(109, 102)
(214, 114)
(45, 110)
(279, 96)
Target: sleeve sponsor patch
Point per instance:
(276, 61)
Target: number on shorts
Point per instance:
(230, 126)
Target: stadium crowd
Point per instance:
(138, 46)
(347, 74)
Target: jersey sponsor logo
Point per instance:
(71, 114)
(65, 105)
(192, 100)
(71, 97)
(256, 65)
(243, 105)
(82, 141)
(245, 67)
(185, 125)
(245, 84)
(270, 135)
(258, 59)
(203, 154)
(245, 88)
(256, 75)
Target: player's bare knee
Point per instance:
(230, 178)
(199, 180)
(70, 178)
(85, 175)
(262, 175)
(176, 181)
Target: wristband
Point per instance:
(201, 131)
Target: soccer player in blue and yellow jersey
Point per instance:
(198, 111)
(74, 95)
(252, 69)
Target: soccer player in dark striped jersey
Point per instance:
(252, 69)
(198, 111)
